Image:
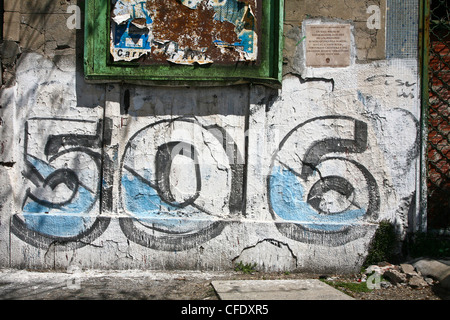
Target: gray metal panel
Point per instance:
(402, 27)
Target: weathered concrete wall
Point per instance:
(122, 176)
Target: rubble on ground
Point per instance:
(404, 274)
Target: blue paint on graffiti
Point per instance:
(362, 98)
(143, 201)
(58, 225)
(287, 201)
(42, 167)
(140, 197)
(80, 204)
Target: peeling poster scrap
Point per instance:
(184, 31)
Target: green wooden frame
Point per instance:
(97, 65)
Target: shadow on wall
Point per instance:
(152, 101)
(174, 160)
(69, 171)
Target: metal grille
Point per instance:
(438, 182)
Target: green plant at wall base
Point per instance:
(245, 268)
(348, 286)
(382, 245)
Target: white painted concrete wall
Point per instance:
(201, 178)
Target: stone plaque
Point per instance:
(328, 45)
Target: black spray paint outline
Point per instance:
(163, 161)
(100, 224)
(173, 241)
(44, 241)
(312, 159)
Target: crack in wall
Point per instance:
(9, 164)
(313, 79)
(271, 241)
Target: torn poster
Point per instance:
(184, 31)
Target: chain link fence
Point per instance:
(438, 181)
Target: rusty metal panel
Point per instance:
(231, 40)
(184, 32)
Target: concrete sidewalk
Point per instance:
(303, 289)
(156, 285)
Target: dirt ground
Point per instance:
(170, 286)
(198, 289)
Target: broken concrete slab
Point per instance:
(304, 289)
(417, 282)
(408, 269)
(436, 269)
(395, 276)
